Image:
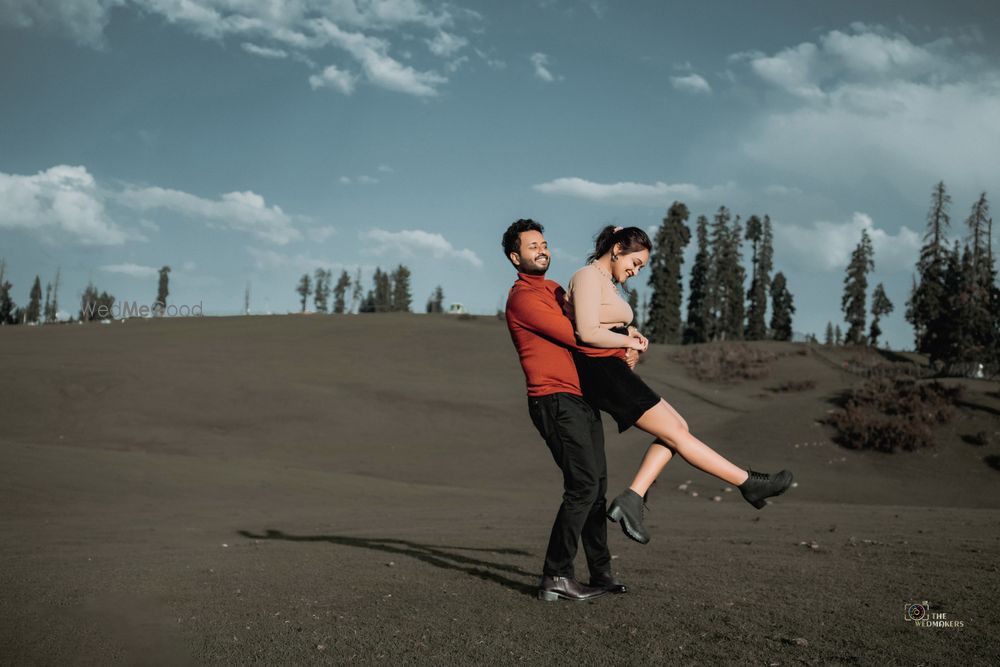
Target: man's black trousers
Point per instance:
(574, 434)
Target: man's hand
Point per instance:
(631, 358)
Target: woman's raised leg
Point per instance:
(672, 436)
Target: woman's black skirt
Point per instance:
(610, 385)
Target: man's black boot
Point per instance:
(627, 509)
(607, 581)
(759, 486)
(567, 588)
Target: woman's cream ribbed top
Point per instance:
(595, 306)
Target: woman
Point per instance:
(601, 316)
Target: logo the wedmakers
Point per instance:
(920, 614)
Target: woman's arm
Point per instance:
(586, 310)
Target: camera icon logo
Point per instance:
(916, 611)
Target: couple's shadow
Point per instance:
(435, 555)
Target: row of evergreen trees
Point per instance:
(954, 303)
(390, 292)
(35, 311)
(718, 308)
(93, 304)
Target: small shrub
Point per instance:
(794, 385)
(890, 414)
(980, 439)
(725, 362)
(862, 428)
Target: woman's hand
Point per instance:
(644, 342)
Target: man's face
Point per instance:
(533, 257)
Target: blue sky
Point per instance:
(249, 140)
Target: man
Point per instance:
(572, 428)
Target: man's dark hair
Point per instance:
(512, 237)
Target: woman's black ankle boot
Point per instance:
(759, 486)
(627, 509)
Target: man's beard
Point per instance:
(536, 270)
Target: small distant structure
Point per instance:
(456, 309)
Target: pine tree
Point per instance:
(855, 288)
(33, 313)
(94, 306)
(663, 322)
(733, 277)
(435, 304)
(981, 287)
(838, 336)
(828, 339)
(880, 306)
(48, 302)
(340, 292)
(726, 277)
(356, 292)
(699, 306)
(321, 289)
(162, 291)
(715, 289)
(383, 291)
(7, 306)
(401, 297)
(304, 289)
(782, 308)
(760, 234)
(953, 338)
(928, 295)
(54, 305)
(367, 305)
(633, 303)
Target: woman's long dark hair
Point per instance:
(632, 239)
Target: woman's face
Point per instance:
(628, 265)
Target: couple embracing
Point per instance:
(577, 351)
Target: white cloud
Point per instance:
(133, 270)
(628, 193)
(335, 78)
(240, 211)
(264, 51)
(542, 71)
(827, 246)
(62, 199)
(83, 20)
(445, 44)
(691, 83)
(363, 179)
(792, 70)
(379, 68)
(491, 61)
(279, 29)
(870, 106)
(320, 234)
(385, 169)
(412, 242)
(782, 191)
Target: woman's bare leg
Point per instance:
(656, 459)
(672, 436)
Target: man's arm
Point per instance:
(543, 317)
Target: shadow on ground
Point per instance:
(431, 554)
